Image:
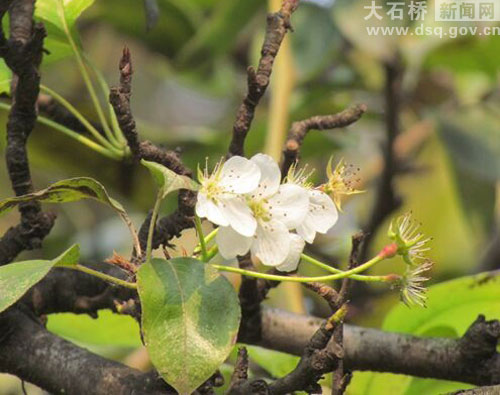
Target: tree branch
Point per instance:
(278, 23)
(22, 54)
(299, 130)
(375, 350)
(33, 354)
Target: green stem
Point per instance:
(208, 239)
(105, 91)
(78, 116)
(103, 276)
(358, 277)
(320, 264)
(85, 74)
(273, 277)
(152, 225)
(199, 230)
(211, 253)
(71, 133)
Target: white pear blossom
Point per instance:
(322, 213)
(291, 262)
(220, 198)
(277, 210)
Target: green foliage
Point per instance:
(472, 140)
(5, 77)
(59, 17)
(276, 363)
(167, 180)
(17, 278)
(452, 307)
(61, 13)
(109, 329)
(64, 191)
(471, 296)
(216, 35)
(190, 318)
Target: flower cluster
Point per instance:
(256, 212)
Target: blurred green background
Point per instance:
(189, 80)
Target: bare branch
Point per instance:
(22, 54)
(299, 130)
(278, 23)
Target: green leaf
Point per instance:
(70, 190)
(167, 180)
(61, 12)
(17, 278)
(190, 319)
(60, 18)
(109, 329)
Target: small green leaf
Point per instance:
(17, 278)
(61, 12)
(70, 190)
(167, 180)
(190, 319)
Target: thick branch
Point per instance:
(372, 349)
(278, 23)
(299, 130)
(33, 354)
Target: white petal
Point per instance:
(289, 205)
(239, 216)
(206, 208)
(270, 175)
(322, 213)
(292, 260)
(239, 175)
(306, 231)
(232, 244)
(271, 243)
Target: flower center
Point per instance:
(211, 188)
(260, 209)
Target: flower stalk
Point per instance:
(199, 231)
(103, 276)
(275, 277)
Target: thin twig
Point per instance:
(299, 130)
(278, 23)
